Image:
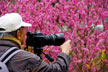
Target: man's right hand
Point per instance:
(66, 47)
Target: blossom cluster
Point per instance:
(84, 22)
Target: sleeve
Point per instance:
(60, 65)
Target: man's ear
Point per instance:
(18, 35)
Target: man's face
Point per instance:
(22, 35)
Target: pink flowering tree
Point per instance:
(84, 22)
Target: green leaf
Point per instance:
(39, 0)
(106, 56)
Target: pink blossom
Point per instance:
(76, 17)
(105, 14)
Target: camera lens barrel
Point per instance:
(40, 40)
(55, 39)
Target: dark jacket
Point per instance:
(24, 60)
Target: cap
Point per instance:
(11, 22)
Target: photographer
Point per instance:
(12, 35)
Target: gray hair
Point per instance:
(8, 34)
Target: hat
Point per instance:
(11, 22)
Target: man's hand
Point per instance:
(66, 47)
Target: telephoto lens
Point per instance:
(39, 40)
(55, 39)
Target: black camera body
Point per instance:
(39, 40)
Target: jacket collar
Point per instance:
(11, 40)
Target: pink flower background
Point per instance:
(84, 22)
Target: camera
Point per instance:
(39, 40)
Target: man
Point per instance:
(12, 35)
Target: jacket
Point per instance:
(23, 61)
